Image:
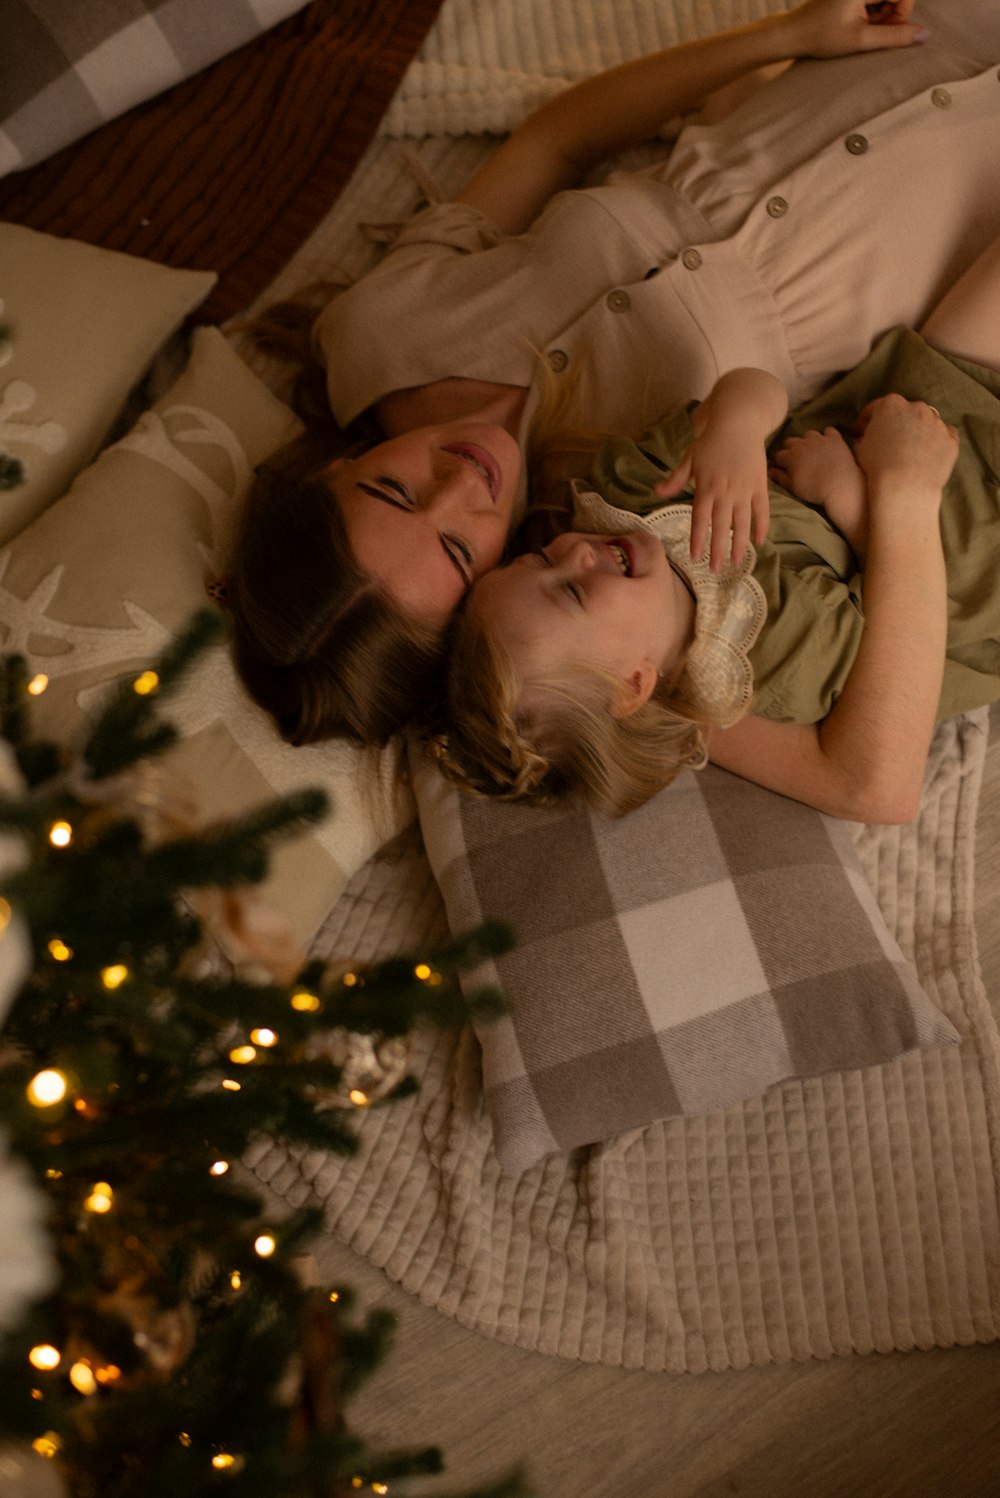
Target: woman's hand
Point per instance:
(833, 28)
(905, 449)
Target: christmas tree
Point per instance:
(177, 1347)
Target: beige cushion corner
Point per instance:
(99, 583)
(84, 323)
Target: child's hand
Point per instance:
(729, 469)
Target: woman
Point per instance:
(745, 248)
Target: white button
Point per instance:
(558, 359)
(777, 207)
(691, 258)
(941, 98)
(857, 144)
(619, 301)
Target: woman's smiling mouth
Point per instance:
(481, 461)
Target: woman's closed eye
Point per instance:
(391, 492)
(398, 494)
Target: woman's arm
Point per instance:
(559, 142)
(866, 760)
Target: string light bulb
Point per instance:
(46, 1445)
(305, 1002)
(47, 1087)
(231, 1086)
(115, 975)
(358, 1098)
(223, 1461)
(349, 980)
(264, 1246)
(60, 834)
(422, 971)
(59, 950)
(242, 1055)
(45, 1357)
(101, 1198)
(81, 1376)
(37, 684)
(146, 683)
(263, 1037)
(218, 1167)
(236, 1279)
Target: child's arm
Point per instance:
(866, 760)
(820, 469)
(557, 144)
(728, 462)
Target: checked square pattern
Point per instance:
(676, 961)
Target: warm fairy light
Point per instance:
(60, 834)
(59, 950)
(236, 1279)
(146, 683)
(305, 1002)
(5, 914)
(37, 1394)
(421, 970)
(435, 980)
(107, 1374)
(219, 1168)
(115, 975)
(243, 1054)
(81, 1376)
(358, 1098)
(223, 1459)
(349, 980)
(380, 1487)
(263, 1037)
(46, 1445)
(37, 684)
(357, 1482)
(334, 1297)
(53, 1175)
(101, 1198)
(184, 1438)
(45, 1357)
(264, 1245)
(231, 1086)
(47, 1087)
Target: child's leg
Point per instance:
(819, 467)
(966, 321)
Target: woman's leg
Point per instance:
(966, 322)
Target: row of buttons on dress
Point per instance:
(620, 301)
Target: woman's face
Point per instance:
(428, 512)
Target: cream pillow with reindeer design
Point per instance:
(99, 584)
(78, 327)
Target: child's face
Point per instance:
(611, 602)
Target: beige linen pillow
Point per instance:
(101, 582)
(674, 961)
(83, 325)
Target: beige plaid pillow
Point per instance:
(675, 961)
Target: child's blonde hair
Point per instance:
(569, 741)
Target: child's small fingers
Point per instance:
(741, 536)
(699, 532)
(722, 524)
(761, 518)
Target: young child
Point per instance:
(815, 665)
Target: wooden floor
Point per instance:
(916, 1425)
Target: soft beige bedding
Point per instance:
(847, 1213)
